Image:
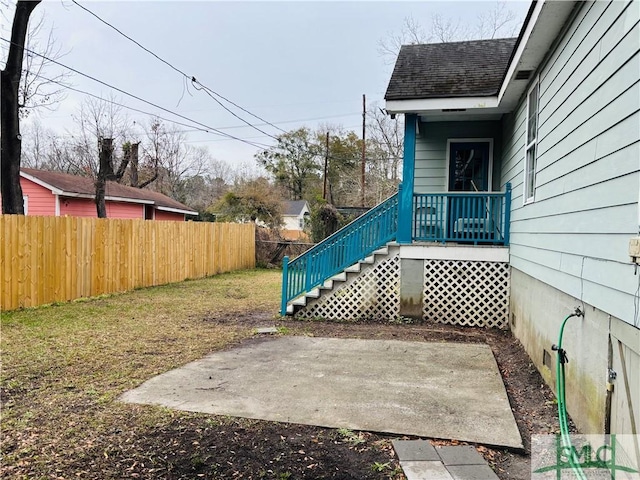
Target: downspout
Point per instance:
(405, 195)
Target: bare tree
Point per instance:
(169, 160)
(96, 120)
(10, 138)
(447, 29)
(388, 134)
(39, 87)
(188, 162)
(497, 22)
(411, 33)
(102, 126)
(34, 145)
(61, 156)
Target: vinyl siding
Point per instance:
(291, 222)
(41, 200)
(575, 235)
(77, 207)
(126, 210)
(431, 151)
(86, 207)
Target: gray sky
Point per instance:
(292, 63)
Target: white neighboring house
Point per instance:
(294, 217)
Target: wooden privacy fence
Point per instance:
(52, 259)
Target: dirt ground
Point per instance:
(532, 402)
(101, 438)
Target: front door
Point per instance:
(469, 167)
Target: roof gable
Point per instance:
(294, 207)
(444, 70)
(73, 185)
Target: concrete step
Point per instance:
(340, 277)
(328, 285)
(355, 268)
(334, 282)
(300, 301)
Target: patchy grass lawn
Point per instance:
(64, 365)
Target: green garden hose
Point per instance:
(560, 389)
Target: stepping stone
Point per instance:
(421, 470)
(415, 450)
(460, 455)
(266, 330)
(472, 472)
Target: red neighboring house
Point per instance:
(59, 194)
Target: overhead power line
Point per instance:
(295, 121)
(198, 86)
(192, 128)
(196, 83)
(219, 132)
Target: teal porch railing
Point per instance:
(477, 218)
(472, 218)
(347, 246)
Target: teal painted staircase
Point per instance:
(470, 218)
(327, 262)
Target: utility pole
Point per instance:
(326, 163)
(364, 126)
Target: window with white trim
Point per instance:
(532, 143)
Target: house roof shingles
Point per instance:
(293, 207)
(85, 186)
(444, 70)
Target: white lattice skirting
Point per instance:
(456, 292)
(467, 293)
(374, 295)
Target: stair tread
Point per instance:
(332, 283)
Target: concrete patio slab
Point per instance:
(410, 450)
(472, 472)
(459, 455)
(437, 390)
(425, 471)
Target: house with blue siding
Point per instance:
(519, 202)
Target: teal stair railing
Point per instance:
(468, 218)
(475, 218)
(350, 244)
